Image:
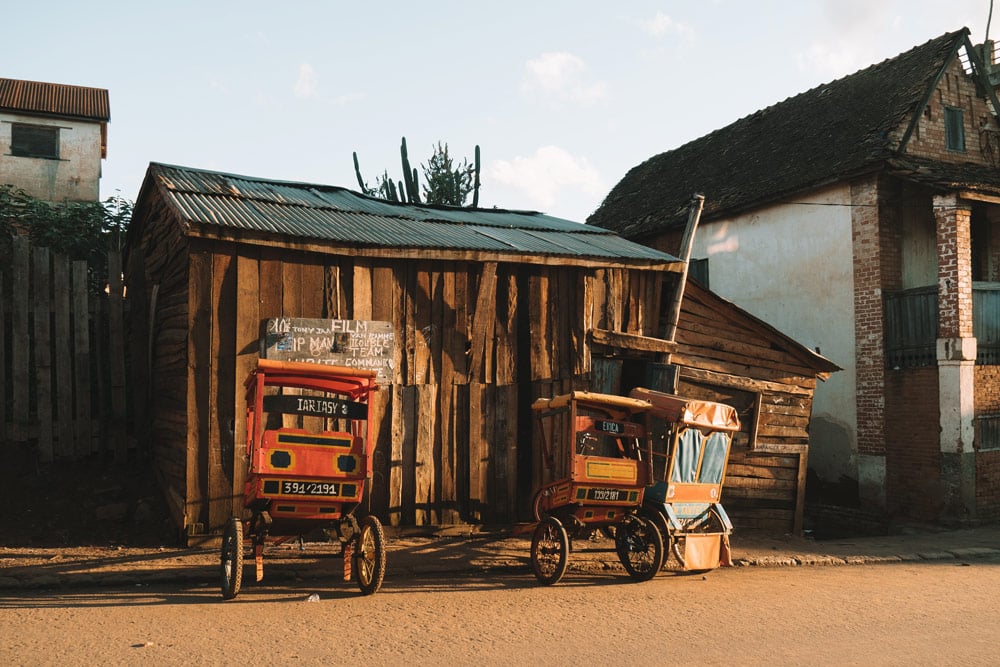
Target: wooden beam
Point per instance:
(735, 381)
(978, 196)
(629, 341)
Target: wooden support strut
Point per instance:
(694, 215)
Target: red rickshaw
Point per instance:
(309, 458)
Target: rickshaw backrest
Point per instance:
(690, 447)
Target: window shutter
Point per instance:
(954, 129)
(34, 141)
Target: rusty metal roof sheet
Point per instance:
(55, 99)
(329, 213)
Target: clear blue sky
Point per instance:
(563, 97)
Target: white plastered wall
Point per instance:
(791, 265)
(75, 176)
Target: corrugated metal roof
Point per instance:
(55, 99)
(329, 213)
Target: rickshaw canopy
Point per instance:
(689, 411)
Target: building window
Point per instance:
(987, 433)
(698, 269)
(954, 129)
(34, 141)
(747, 403)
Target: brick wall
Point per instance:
(869, 322)
(913, 451)
(988, 485)
(987, 463)
(954, 245)
(956, 89)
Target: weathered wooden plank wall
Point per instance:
(62, 359)
(475, 343)
(765, 484)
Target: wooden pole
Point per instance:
(694, 215)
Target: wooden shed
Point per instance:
(726, 354)
(490, 309)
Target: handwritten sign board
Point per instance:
(361, 344)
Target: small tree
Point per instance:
(446, 183)
(79, 230)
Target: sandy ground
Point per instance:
(888, 614)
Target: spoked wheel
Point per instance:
(232, 559)
(640, 548)
(369, 555)
(549, 551)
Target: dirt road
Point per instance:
(912, 614)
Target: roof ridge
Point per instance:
(839, 126)
(827, 84)
(340, 188)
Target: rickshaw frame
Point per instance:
(299, 479)
(685, 501)
(600, 476)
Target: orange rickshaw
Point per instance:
(596, 451)
(310, 460)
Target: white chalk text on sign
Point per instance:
(362, 344)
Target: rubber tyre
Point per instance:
(549, 551)
(536, 505)
(640, 548)
(369, 555)
(231, 559)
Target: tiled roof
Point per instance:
(830, 132)
(55, 99)
(326, 213)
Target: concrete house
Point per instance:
(862, 218)
(52, 139)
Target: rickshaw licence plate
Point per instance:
(614, 495)
(295, 488)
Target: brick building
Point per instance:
(861, 218)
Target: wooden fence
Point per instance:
(62, 356)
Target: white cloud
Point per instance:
(662, 24)
(349, 98)
(562, 77)
(307, 84)
(547, 175)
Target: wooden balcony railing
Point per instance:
(911, 325)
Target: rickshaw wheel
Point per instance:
(536, 505)
(640, 548)
(231, 562)
(369, 556)
(669, 541)
(549, 551)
